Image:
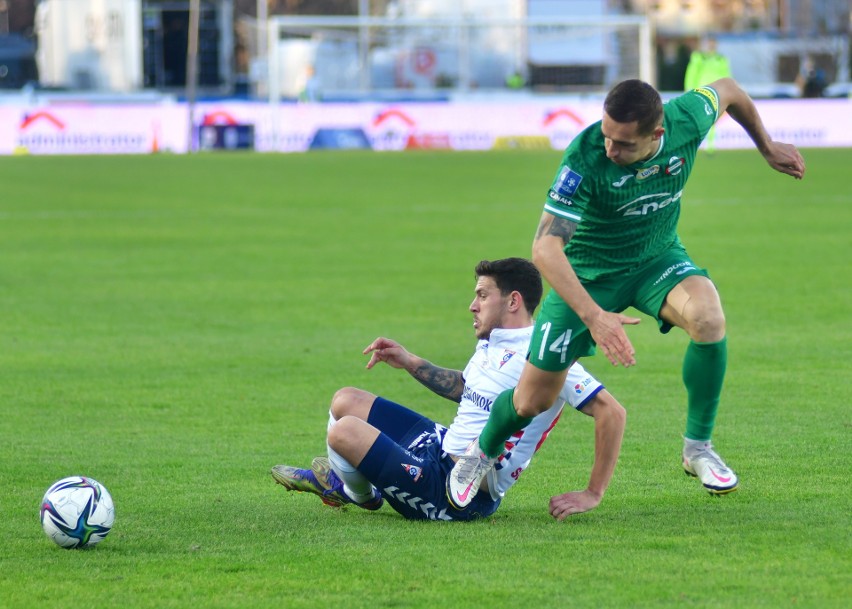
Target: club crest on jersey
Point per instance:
(567, 182)
(675, 166)
(644, 174)
(415, 471)
(507, 355)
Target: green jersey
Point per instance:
(627, 215)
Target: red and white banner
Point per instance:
(142, 129)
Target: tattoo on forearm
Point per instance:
(443, 381)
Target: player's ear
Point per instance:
(658, 132)
(516, 301)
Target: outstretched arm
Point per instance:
(610, 418)
(445, 382)
(782, 157)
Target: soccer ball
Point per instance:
(77, 512)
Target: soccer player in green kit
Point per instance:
(608, 240)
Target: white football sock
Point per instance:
(355, 484)
(690, 447)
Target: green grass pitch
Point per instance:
(174, 326)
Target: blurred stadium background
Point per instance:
(240, 73)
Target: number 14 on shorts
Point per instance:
(559, 344)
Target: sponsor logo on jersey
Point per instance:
(414, 471)
(559, 198)
(648, 204)
(567, 182)
(507, 355)
(675, 166)
(679, 269)
(644, 174)
(581, 386)
(477, 400)
(711, 97)
(622, 181)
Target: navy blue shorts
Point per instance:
(408, 465)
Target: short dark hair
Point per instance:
(635, 100)
(514, 274)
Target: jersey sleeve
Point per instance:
(579, 387)
(702, 104)
(568, 195)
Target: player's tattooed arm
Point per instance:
(556, 227)
(443, 381)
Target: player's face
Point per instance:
(624, 145)
(488, 307)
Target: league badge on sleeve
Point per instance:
(567, 182)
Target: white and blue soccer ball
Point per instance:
(77, 512)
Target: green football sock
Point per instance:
(703, 374)
(502, 423)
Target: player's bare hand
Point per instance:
(786, 159)
(608, 332)
(575, 502)
(387, 351)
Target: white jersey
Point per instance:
(495, 367)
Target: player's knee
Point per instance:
(706, 323)
(341, 433)
(537, 393)
(343, 401)
(709, 327)
(529, 408)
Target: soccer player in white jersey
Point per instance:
(381, 451)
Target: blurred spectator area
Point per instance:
(17, 16)
(17, 61)
(790, 65)
(769, 42)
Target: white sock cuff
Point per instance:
(355, 484)
(689, 444)
(359, 497)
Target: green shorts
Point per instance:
(560, 337)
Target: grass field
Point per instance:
(174, 326)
